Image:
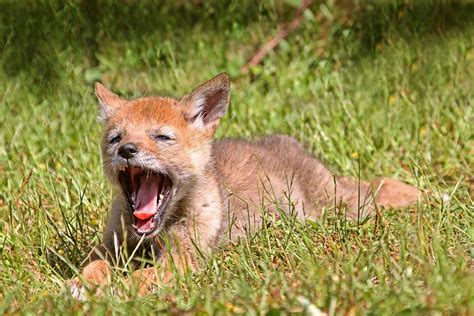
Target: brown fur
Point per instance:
(230, 179)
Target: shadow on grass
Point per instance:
(36, 34)
(376, 20)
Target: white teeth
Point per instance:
(160, 199)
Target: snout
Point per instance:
(128, 150)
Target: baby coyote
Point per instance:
(178, 193)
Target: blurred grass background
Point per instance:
(380, 88)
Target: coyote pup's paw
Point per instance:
(76, 289)
(95, 275)
(80, 290)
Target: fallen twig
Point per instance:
(269, 46)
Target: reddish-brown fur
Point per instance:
(230, 179)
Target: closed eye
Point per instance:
(115, 139)
(162, 137)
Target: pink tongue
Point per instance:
(147, 194)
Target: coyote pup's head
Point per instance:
(155, 148)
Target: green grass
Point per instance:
(380, 90)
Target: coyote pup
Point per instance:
(177, 191)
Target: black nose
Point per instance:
(128, 150)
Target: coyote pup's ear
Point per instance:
(109, 101)
(208, 102)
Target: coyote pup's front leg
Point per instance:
(181, 257)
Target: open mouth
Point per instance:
(148, 194)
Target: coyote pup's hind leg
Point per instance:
(388, 193)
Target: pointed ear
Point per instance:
(208, 102)
(109, 102)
